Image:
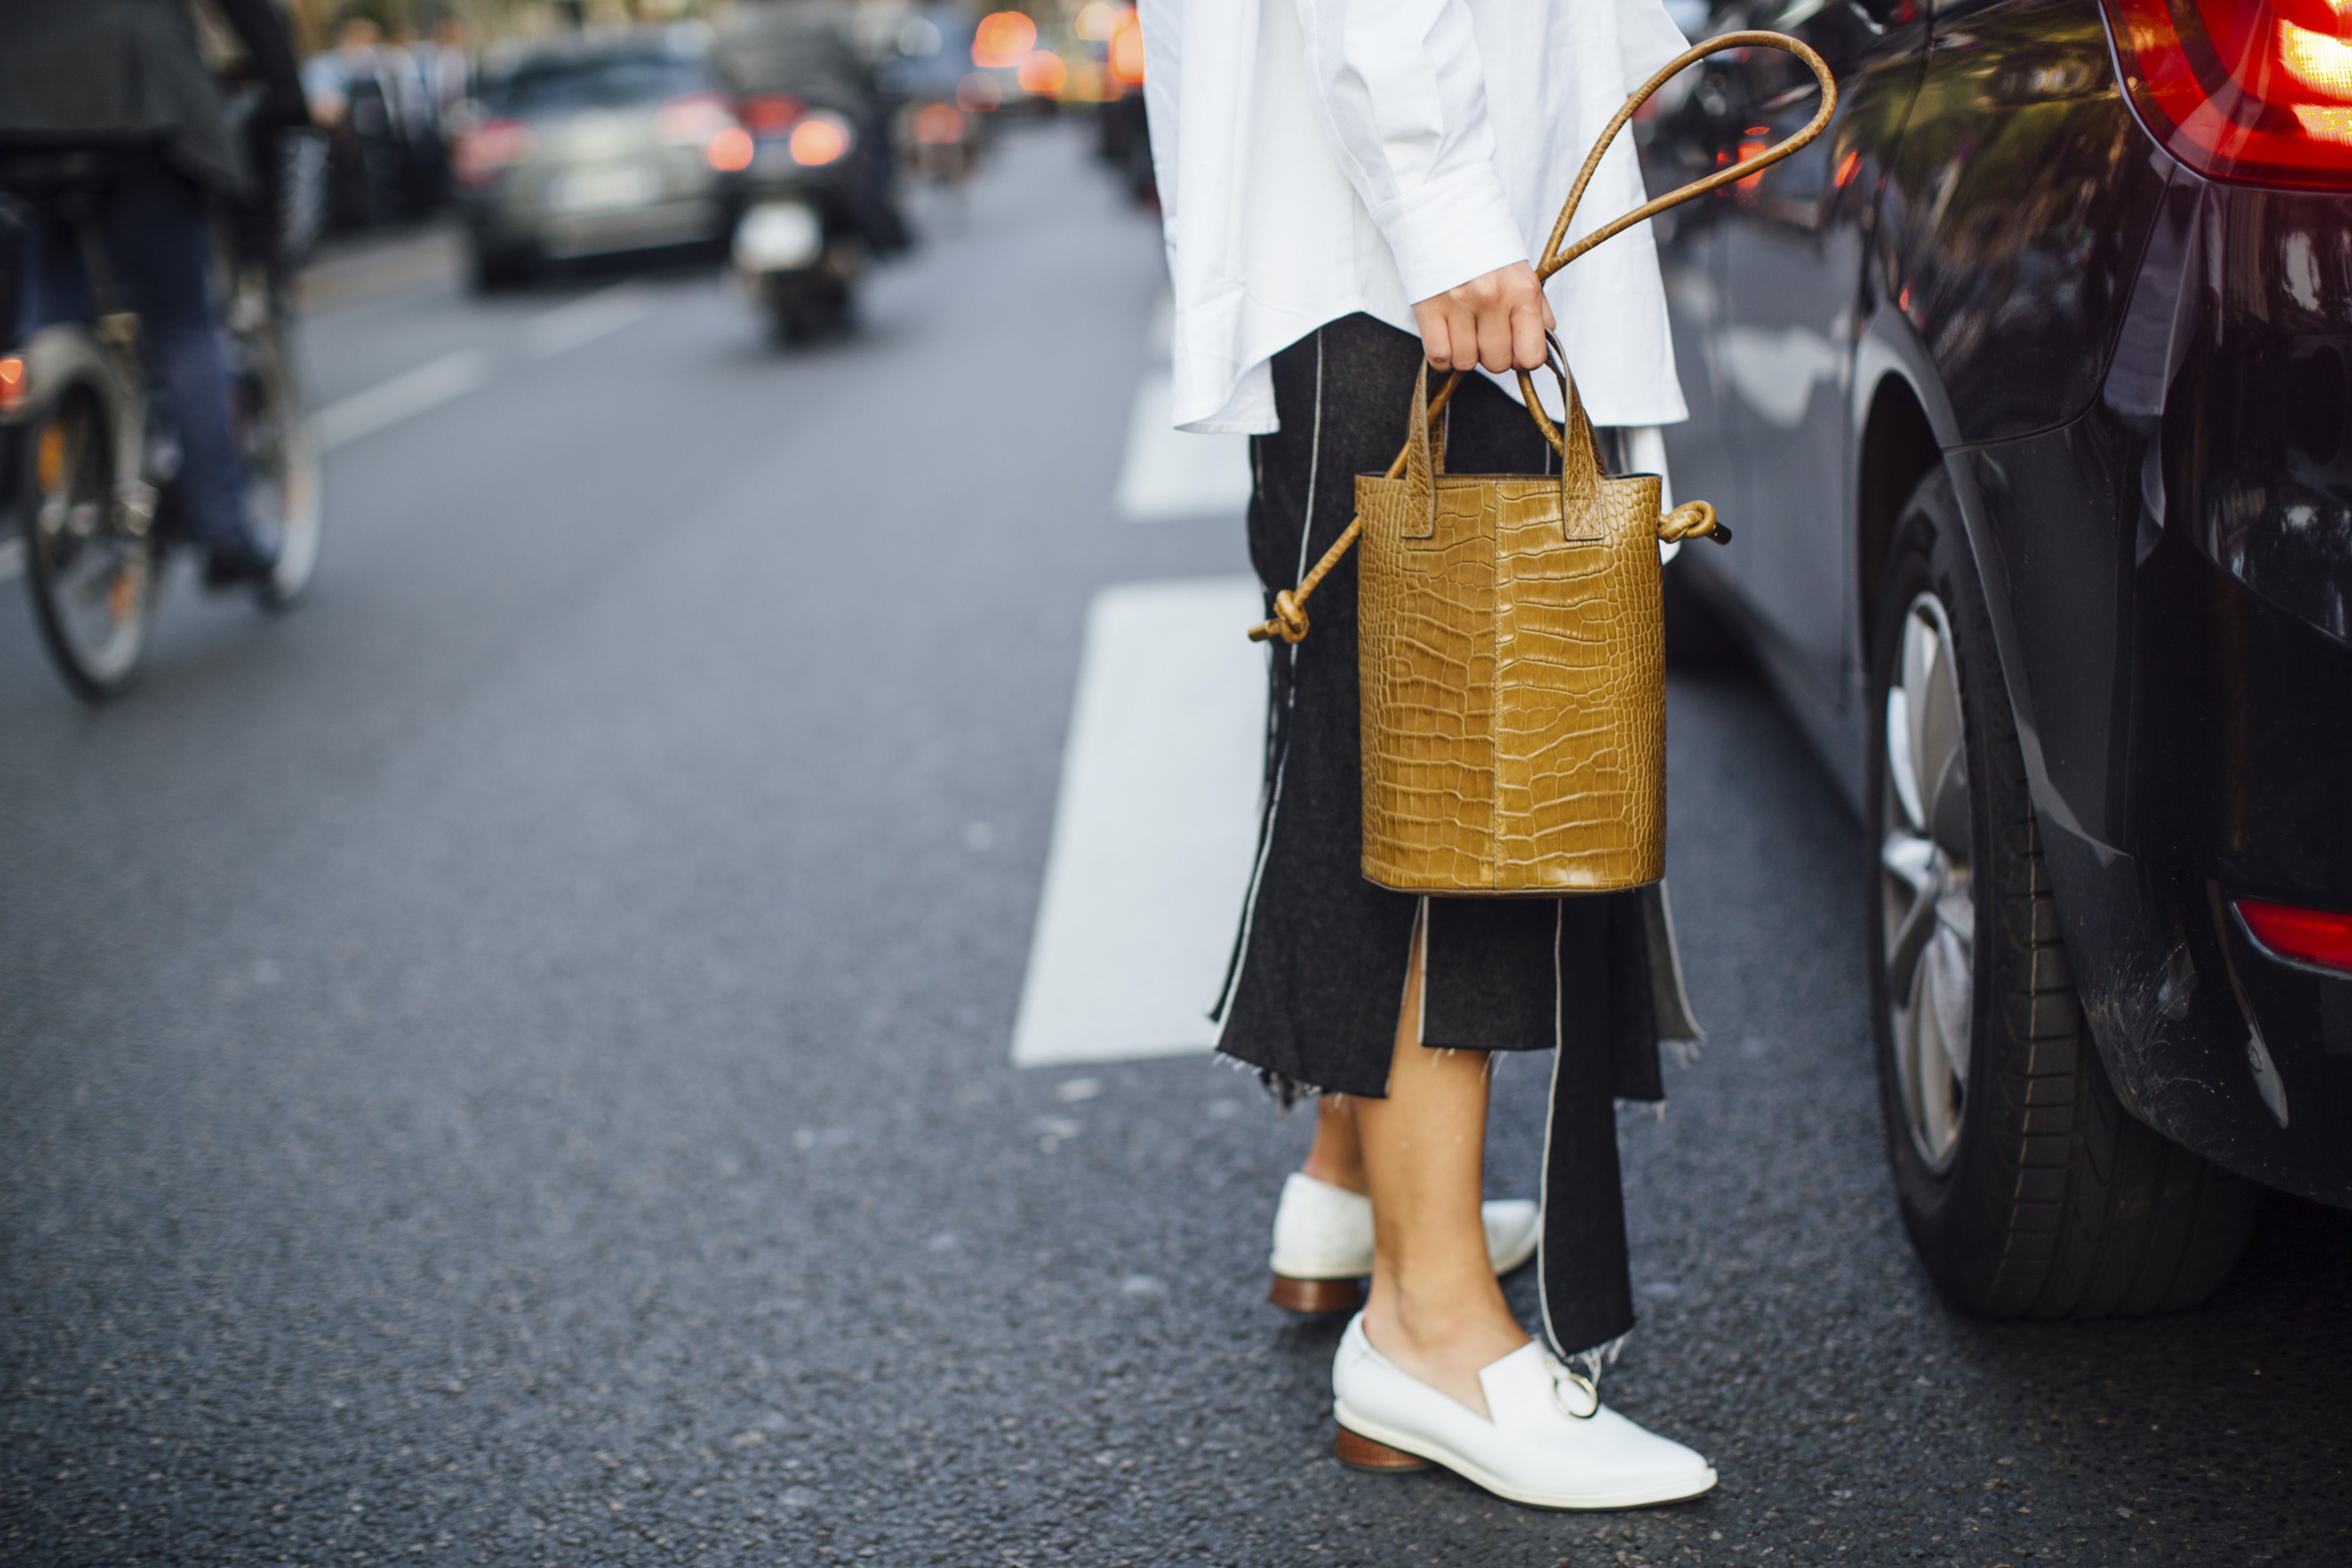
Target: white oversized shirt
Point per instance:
(1321, 157)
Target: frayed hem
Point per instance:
(1285, 1088)
(1599, 1359)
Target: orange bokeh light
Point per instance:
(1043, 72)
(817, 140)
(730, 152)
(1749, 150)
(1003, 38)
(1127, 51)
(939, 124)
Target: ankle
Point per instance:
(1344, 1173)
(1444, 1322)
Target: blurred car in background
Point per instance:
(2029, 388)
(595, 143)
(938, 136)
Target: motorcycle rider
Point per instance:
(128, 74)
(809, 49)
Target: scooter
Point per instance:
(817, 210)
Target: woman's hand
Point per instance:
(1497, 320)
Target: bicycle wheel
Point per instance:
(91, 573)
(281, 450)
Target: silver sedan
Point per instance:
(596, 143)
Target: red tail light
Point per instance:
(2306, 936)
(2243, 90)
(491, 146)
(821, 138)
(770, 113)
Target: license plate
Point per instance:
(779, 237)
(604, 189)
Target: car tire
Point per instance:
(2027, 1189)
(494, 271)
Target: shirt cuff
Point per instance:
(1450, 230)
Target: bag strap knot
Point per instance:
(1692, 520)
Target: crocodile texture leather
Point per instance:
(1513, 675)
(1511, 647)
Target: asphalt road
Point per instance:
(508, 1063)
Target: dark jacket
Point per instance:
(129, 72)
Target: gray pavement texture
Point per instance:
(508, 1063)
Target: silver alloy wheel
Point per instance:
(1926, 898)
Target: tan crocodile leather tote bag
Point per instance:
(1509, 640)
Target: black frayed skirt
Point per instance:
(1318, 974)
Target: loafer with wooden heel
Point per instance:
(1323, 1243)
(1547, 1442)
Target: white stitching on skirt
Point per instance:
(1224, 1009)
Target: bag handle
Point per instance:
(1572, 438)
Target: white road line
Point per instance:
(584, 320)
(1155, 830)
(1168, 474)
(404, 397)
(12, 560)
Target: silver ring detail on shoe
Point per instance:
(1588, 1394)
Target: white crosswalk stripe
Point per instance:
(1169, 475)
(1156, 827)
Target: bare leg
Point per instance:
(1338, 1156)
(1436, 1309)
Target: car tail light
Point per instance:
(486, 150)
(2243, 90)
(770, 113)
(2318, 937)
(731, 151)
(821, 138)
(12, 383)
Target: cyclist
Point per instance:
(128, 74)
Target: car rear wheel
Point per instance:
(2026, 1188)
(494, 270)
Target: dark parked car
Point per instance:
(2026, 389)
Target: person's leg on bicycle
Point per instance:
(158, 240)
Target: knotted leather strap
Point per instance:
(1572, 438)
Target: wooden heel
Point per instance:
(1359, 1452)
(1316, 1295)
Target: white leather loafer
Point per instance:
(1550, 1442)
(1323, 1243)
